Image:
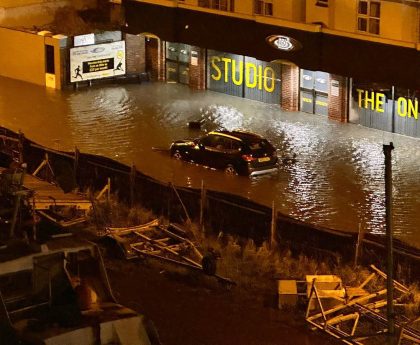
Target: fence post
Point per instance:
(358, 245)
(182, 204)
(273, 241)
(20, 146)
(108, 195)
(132, 184)
(202, 205)
(76, 165)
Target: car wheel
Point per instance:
(177, 155)
(230, 170)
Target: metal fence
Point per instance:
(218, 211)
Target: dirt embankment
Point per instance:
(193, 310)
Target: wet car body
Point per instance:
(235, 152)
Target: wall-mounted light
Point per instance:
(284, 43)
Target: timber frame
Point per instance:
(359, 317)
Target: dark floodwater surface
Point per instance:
(336, 179)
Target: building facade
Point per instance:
(351, 60)
(35, 13)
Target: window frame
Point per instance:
(219, 5)
(372, 23)
(264, 7)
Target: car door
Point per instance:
(230, 153)
(212, 151)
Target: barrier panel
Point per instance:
(222, 212)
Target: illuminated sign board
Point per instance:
(237, 72)
(405, 107)
(284, 43)
(97, 61)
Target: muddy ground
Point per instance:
(191, 309)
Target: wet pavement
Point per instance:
(335, 180)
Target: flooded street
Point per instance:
(336, 179)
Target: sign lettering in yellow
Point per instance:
(255, 75)
(321, 103)
(375, 101)
(408, 107)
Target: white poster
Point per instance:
(335, 88)
(97, 61)
(84, 40)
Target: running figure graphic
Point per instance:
(77, 71)
(119, 67)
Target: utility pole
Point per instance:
(388, 223)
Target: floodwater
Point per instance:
(336, 179)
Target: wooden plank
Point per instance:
(128, 230)
(46, 195)
(194, 248)
(169, 259)
(400, 287)
(163, 240)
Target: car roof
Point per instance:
(241, 135)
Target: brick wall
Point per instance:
(198, 71)
(135, 54)
(155, 58)
(162, 61)
(289, 88)
(338, 98)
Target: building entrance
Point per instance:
(177, 62)
(314, 92)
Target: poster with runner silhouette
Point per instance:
(97, 61)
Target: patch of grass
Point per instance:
(116, 214)
(412, 306)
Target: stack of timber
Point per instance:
(48, 198)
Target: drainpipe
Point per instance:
(393, 109)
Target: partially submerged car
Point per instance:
(235, 152)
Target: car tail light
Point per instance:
(248, 158)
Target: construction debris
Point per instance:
(357, 315)
(166, 243)
(46, 199)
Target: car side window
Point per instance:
(231, 145)
(221, 143)
(206, 141)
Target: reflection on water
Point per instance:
(331, 173)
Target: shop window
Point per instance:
(263, 7)
(369, 14)
(221, 5)
(49, 59)
(177, 62)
